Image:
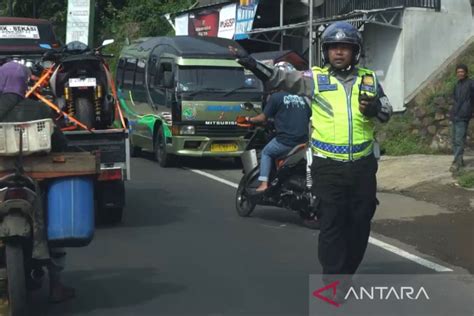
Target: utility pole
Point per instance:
(310, 57)
(10, 7)
(35, 10)
(282, 36)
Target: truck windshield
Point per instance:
(217, 79)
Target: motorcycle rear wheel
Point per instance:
(243, 205)
(85, 112)
(17, 297)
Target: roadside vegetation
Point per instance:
(425, 128)
(466, 179)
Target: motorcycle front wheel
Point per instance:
(243, 204)
(16, 283)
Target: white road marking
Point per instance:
(213, 177)
(409, 256)
(390, 248)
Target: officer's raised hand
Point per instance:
(367, 105)
(260, 70)
(243, 57)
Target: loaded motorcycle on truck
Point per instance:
(79, 86)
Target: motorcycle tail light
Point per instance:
(16, 194)
(110, 175)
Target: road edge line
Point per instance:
(373, 241)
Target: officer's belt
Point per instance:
(341, 149)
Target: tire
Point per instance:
(16, 278)
(85, 112)
(243, 205)
(161, 155)
(111, 216)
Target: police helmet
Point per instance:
(342, 32)
(285, 66)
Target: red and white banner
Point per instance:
(218, 22)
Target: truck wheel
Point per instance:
(17, 302)
(161, 155)
(85, 112)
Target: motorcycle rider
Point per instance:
(15, 108)
(345, 101)
(291, 114)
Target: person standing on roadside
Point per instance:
(461, 114)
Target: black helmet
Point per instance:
(342, 32)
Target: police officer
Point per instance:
(346, 100)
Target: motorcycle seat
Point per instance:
(296, 149)
(281, 160)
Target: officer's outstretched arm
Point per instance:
(295, 82)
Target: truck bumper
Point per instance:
(198, 146)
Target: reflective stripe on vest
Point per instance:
(340, 131)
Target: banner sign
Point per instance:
(227, 21)
(245, 17)
(79, 19)
(230, 21)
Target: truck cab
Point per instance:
(182, 95)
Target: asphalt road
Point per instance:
(182, 250)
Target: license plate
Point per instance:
(224, 147)
(86, 82)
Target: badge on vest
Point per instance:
(324, 84)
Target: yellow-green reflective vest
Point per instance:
(340, 130)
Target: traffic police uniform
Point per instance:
(344, 166)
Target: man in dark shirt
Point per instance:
(291, 114)
(461, 114)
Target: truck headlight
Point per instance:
(188, 130)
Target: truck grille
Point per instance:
(221, 131)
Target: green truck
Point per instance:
(181, 97)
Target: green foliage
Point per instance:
(397, 139)
(138, 18)
(466, 179)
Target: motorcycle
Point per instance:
(80, 84)
(290, 178)
(20, 200)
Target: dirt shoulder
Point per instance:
(447, 234)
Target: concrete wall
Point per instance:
(430, 38)
(406, 59)
(384, 54)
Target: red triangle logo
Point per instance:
(332, 286)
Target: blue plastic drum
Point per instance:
(71, 212)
